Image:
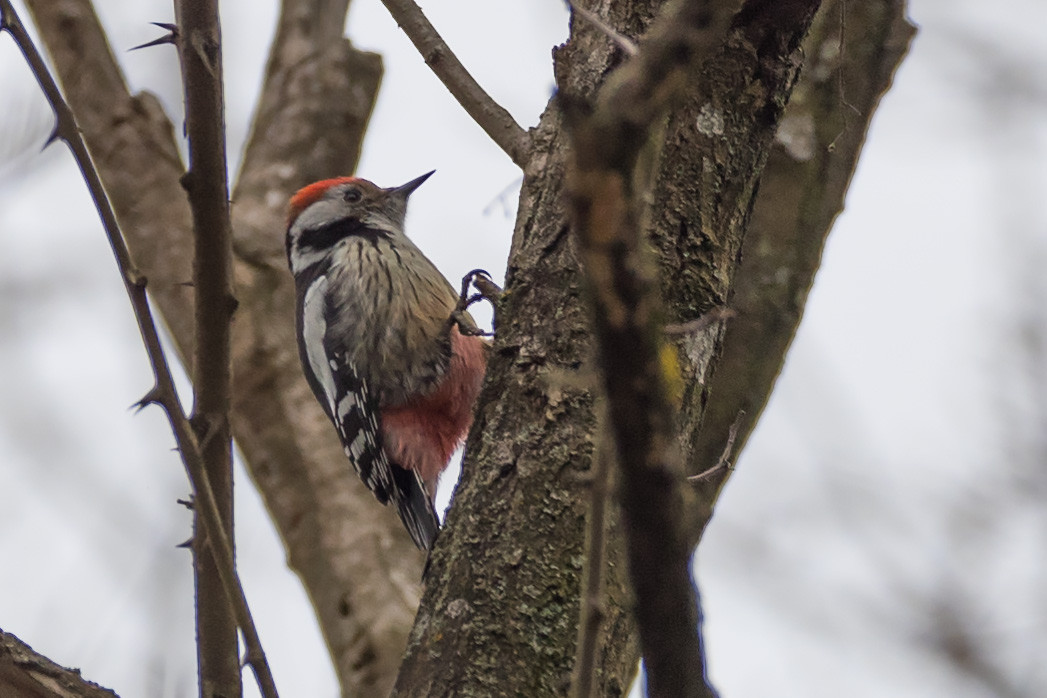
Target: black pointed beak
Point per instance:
(405, 190)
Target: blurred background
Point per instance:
(886, 530)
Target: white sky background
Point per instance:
(896, 483)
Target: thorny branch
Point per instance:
(163, 392)
(200, 52)
(488, 114)
(316, 99)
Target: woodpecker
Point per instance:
(378, 343)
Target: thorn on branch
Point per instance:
(171, 37)
(187, 544)
(502, 199)
(53, 136)
(155, 396)
(187, 503)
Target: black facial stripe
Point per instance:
(327, 236)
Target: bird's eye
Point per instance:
(352, 195)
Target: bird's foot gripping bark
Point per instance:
(486, 289)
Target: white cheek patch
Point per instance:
(301, 260)
(316, 216)
(314, 327)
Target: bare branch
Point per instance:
(163, 392)
(200, 50)
(488, 114)
(725, 457)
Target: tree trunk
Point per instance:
(503, 597)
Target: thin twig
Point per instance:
(592, 612)
(163, 393)
(488, 114)
(620, 40)
(700, 323)
(724, 462)
(841, 61)
(502, 199)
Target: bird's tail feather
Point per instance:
(415, 508)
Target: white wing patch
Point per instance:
(314, 327)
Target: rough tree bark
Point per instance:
(506, 596)
(852, 53)
(504, 601)
(26, 674)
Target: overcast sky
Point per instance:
(894, 488)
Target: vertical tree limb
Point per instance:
(200, 50)
(851, 60)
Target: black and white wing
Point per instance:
(356, 416)
(345, 395)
